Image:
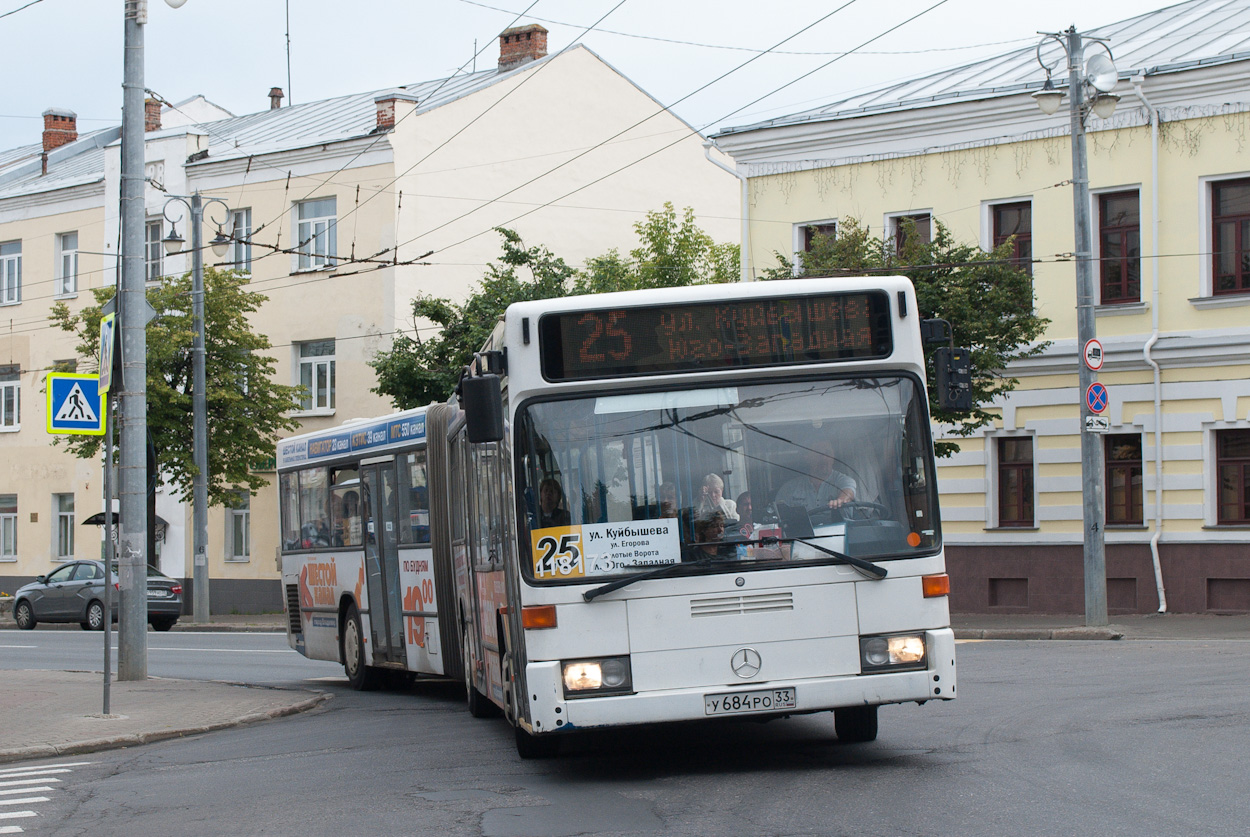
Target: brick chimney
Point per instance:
(275, 98)
(388, 104)
(151, 115)
(59, 127)
(521, 44)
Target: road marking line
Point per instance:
(26, 790)
(19, 646)
(18, 815)
(47, 768)
(30, 800)
(230, 650)
(10, 829)
(9, 783)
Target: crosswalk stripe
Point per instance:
(30, 771)
(17, 815)
(40, 789)
(10, 829)
(8, 783)
(47, 768)
(30, 800)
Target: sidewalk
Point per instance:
(1153, 626)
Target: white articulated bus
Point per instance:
(643, 507)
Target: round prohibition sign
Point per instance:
(1096, 397)
(1092, 354)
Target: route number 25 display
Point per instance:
(558, 553)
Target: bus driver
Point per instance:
(823, 486)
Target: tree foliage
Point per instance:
(246, 409)
(985, 297)
(670, 252)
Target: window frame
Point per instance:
(10, 382)
(1134, 473)
(239, 513)
(1241, 236)
(66, 265)
(11, 272)
(896, 228)
(310, 403)
(998, 468)
(241, 239)
(63, 534)
(306, 256)
(998, 237)
(8, 528)
(1243, 467)
(153, 251)
(1125, 260)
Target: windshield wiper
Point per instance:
(866, 567)
(658, 572)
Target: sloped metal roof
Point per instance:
(1196, 33)
(73, 164)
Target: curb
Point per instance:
(118, 742)
(1105, 634)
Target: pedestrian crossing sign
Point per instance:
(75, 406)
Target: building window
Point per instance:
(1015, 481)
(1232, 466)
(10, 273)
(241, 240)
(239, 528)
(316, 229)
(1122, 455)
(63, 504)
(905, 226)
(1119, 247)
(67, 264)
(1230, 212)
(8, 527)
(1014, 222)
(828, 229)
(316, 375)
(10, 398)
(153, 252)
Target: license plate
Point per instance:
(758, 700)
(158, 593)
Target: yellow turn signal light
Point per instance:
(538, 616)
(936, 585)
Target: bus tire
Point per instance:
(535, 746)
(361, 676)
(479, 705)
(855, 724)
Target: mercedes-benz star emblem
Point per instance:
(746, 662)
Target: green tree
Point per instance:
(246, 409)
(985, 297)
(670, 252)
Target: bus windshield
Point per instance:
(616, 484)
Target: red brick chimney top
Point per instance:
(521, 44)
(59, 127)
(386, 102)
(151, 115)
(275, 98)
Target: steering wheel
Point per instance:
(850, 510)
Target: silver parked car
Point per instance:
(74, 592)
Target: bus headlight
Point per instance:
(882, 653)
(586, 678)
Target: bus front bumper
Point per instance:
(550, 711)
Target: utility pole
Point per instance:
(132, 637)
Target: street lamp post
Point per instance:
(199, 398)
(1099, 76)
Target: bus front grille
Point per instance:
(732, 605)
(292, 609)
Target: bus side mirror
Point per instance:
(482, 399)
(953, 368)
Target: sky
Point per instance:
(68, 53)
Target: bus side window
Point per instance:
(314, 532)
(414, 499)
(288, 492)
(345, 526)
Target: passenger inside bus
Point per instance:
(668, 499)
(746, 519)
(823, 486)
(551, 510)
(713, 499)
(709, 537)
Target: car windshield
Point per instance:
(618, 484)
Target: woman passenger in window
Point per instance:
(551, 511)
(714, 499)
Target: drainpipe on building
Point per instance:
(1154, 338)
(745, 249)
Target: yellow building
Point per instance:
(341, 211)
(1169, 177)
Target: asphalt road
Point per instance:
(1047, 738)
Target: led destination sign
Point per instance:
(705, 336)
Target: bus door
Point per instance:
(382, 562)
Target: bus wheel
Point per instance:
(535, 746)
(362, 677)
(479, 705)
(855, 724)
